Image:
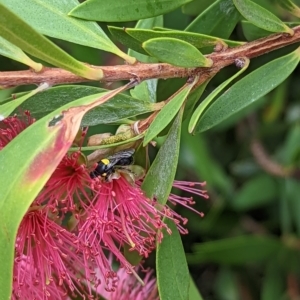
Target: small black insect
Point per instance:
(107, 166)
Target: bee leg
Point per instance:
(93, 175)
(109, 174)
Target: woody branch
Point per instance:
(143, 71)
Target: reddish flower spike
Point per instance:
(12, 126)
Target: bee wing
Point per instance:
(112, 161)
(122, 154)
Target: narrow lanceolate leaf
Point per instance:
(146, 90)
(149, 23)
(207, 101)
(19, 33)
(193, 98)
(121, 36)
(119, 107)
(219, 19)
(261, 17)
(7, 108)
(176, 52)
(59, 25)
(9, 50)
(172, 270)
(236, 250)
(159, 179)
(290, 7)
(121, 11)
(40, 148)
(133, 38)
(196, 39)
(168, 112)
(249, 89)
(196, 7)
(252, 32)
(243, 200)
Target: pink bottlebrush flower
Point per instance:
(12, 126)
(120, 214)
(46, 263)
(67, 189)
(124, 211)
(51, 261)
(129, 287)
(25, 289)
(194, 188)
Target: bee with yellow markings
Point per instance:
(108, 166)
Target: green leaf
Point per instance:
(289, 257)
(122, 11)
(196, 39)
(207, 101)
(244, 199)
(273, 283)
(252, 32)
(176, 52)
(193, 292)
(276, 102)
(159, 178)
(290, 7)
(261, 17)
(291, 149)
(9, 50)
(19, 33)
(145, 90)
(119, 107)
(59, 25)
(133, 38)
(235, 250)
(196, 7)
(291, 190)
(219, 19)
(246, 111)
(285, 214)
(172, 270)
(150, 23)
(268, 5)
(241, 94)
(160, 28)
(226, 279)
(120, 35)
(7, 108)
(50, 138)
(193, 98)
(168, 112)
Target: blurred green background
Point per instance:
(247, 245)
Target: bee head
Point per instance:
(102, 166)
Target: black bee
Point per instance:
(107, 166)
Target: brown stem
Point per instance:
(265, 161)
(293, 287)
(260, 154)
(144, 71)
